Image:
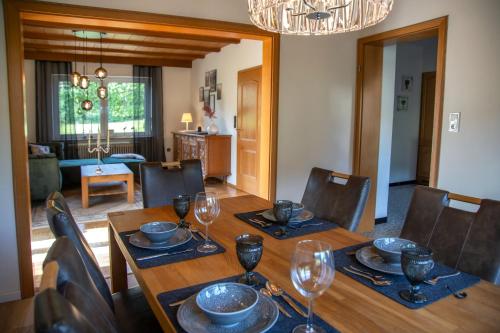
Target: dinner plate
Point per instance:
(182, 236)
(369, 257)
(193, 320)
(306, 215)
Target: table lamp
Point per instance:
(187, 118)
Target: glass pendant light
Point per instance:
(101, 72)
(84, 80)
(87, 105)
(75, 76)
(102, 91)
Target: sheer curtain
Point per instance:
(55, 106)
(148, 113)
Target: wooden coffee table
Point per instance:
(110, 182)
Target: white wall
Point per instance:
(386, 118)
(413, 59)
(227, 62)
(9, 274)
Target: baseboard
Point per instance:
(407, 182)
(381, 220)
(10, 296)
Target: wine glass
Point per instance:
(312, 272)
(416, 262)
(282, 210)
(249, 252)
(206, 210)
(181, 205)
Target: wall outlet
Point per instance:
(454, 122)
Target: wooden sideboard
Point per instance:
(214, 151)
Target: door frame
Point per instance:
(432, 28)
(84, 17)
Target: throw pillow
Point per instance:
(39, 150)
(128, 156)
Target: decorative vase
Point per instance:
(212, 128)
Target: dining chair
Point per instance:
(132, 314)
(337, 202)
(425, 207)
(193, 177)
(62, 223)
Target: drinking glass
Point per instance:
(206, 210)
(181, 206)
(282, 210)
(312, 272)
(249, 252)
(416, 262)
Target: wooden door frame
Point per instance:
(432, 28)
(58, 14)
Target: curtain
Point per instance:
(148, 113)
(55, 106)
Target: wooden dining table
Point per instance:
(347, 305)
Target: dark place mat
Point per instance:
(284, 324)
(137, 252)
(293, 230)
(399, 282)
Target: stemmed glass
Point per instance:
(181, 205)
(206, 210)
(282, 210)
(249, 252)
(312, 272)
(416, 262)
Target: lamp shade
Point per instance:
(187, 118)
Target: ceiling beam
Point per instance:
(178, 46)
(51, 47)
(54, 56)
(131, 31)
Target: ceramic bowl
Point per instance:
(389, 248)
(227, 303)
(158, 232)
(297, 209)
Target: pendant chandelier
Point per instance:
(101, 73)
(84, 79)
(317, 17)
(75, 76)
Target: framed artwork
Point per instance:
(212, 80)
(201, 94)
(402, 103)
(207, 79)
(219, 91)
(206, 97)
(407, 83)
(212, 102)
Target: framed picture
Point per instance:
(406, 83)
(212, 102)
(201, 93)
(212, 80)
(206, 97)
(207, 79)
(219, 91)
(402, 103)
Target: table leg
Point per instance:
(85, 192)
(130, 191)
(117, 265)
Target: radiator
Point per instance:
(115, 148)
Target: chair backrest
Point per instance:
(160, 185)
(339, 203)
(425, 207)
(62, 224)
(76, 286)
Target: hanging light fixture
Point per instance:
(75, 76)
(87, 105)
(84, 79)
(101, 73)
(102, 91)
(317, 17)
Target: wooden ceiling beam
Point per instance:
(55, 56)
(177, 46)
(132, 31)
(50, 47)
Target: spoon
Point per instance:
(278, 291)
(458, 294)
(267, 293)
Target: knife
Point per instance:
(164, 254)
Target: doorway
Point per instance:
(368, 108)
(248, 120)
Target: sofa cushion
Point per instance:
(39, 149)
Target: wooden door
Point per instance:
(426, 127)
(249, 106)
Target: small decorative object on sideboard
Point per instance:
(210, 113)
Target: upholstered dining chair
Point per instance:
(336, 202)
(161, 184)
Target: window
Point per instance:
(116, 113)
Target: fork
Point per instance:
(373, 280)
(435, 279)
(260, 223)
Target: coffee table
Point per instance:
(110, 182)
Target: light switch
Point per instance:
(454, 122)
